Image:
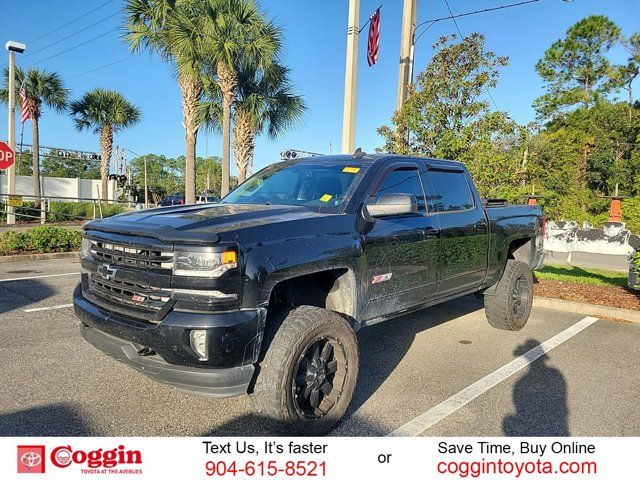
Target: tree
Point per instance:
(166, 27)
(209, 175)
(105, 112)
(446, 99)
(236, 36)
(43, 89)
(165, 175)
(448, 118)
(265, 102)
(575, 68)
(623, 76)
(55, 166)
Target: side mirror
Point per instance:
(389, 204)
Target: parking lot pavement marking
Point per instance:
(38, 276)
(42, 309)
(441, 411)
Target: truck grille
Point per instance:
(146, 257)
(145, 298)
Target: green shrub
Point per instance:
(42, 239)
(631, 214)
(53, 239)
(13, 242)
(70, 211)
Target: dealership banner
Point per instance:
(330, 458)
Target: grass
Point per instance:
(589, 276)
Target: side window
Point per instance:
(404, 180)
(450, 191)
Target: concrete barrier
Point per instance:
(612, 239)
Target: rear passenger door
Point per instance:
(400, 250)
(463, 229)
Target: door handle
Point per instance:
(480, 225)
(431, 232)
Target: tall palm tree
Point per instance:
(105, 112)
(166, 27)
(43, 89)
(264, 102)
(235, 35)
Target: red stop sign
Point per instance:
(7, 156)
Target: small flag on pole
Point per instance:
(374, 37)
(26, 103)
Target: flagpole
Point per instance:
(351, 79)
(20, 154)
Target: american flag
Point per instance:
(26, 103)
(374, 37)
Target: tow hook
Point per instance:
(146, 351)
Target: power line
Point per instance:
(76, 46)
(72, 34)
(98, 68)
(475, 12)
(69, 23)
(100, 76)
(461, 37)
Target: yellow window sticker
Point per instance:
(326, 197)
(351, 169)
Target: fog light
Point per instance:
(199, 343)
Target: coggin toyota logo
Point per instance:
(64, 456)
(31, 459)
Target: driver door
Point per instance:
(400, 250)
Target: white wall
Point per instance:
(56, 187)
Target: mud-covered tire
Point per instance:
(285, 375)
(508, 306)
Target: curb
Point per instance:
(587, 309)
(38, 256)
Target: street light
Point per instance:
(12, 47)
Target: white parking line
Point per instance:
(438, 413)
(42, 309)
(38, 276)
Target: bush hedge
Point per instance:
(42, 239)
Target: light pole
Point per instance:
(351, 79)
(12, 47)
(406, 50)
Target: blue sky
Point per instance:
(315, 51)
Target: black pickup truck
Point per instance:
(263, 292)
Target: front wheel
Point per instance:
(307, 377)
(508, 306)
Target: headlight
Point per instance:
(85, 249)
(204, 264)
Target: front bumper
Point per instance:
(234, 344)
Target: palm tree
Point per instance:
(264, 101)
(105, 112)
(165, 27)
(43, 89)
(235, 35)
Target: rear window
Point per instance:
(450, 191)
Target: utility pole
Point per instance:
(406, 50)
(146, 190)
(12, 47)
(351, 79)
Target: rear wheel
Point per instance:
(508, 306)
(308, 374)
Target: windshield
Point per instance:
(299, 183)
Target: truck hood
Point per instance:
(198, 223)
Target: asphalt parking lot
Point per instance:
(438, 372)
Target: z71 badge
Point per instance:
(381, 278)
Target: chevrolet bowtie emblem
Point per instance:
(107, 271)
